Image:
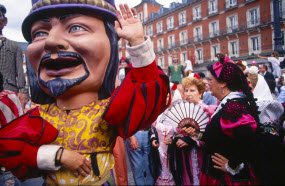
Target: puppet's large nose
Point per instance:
(55, 42)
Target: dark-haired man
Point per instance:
(11, 60)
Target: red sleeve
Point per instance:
(20, 141)
(139, 100)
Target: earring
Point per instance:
(223, 91)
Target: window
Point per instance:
(197, 12)
(232, 23)
(159, 44)
(149, 30)
(171, 41)
(183, 56)
(212, 6)
(199, 55)
(141, 16)
(233, 48)
(161, 62)
(214, 29)
(215, 49)
(183, 37)
(182, 18)
(170, 23)
(169, 60)
(198, 33)
(159, 27)
(253, 17)
(231, 3)
(254, 45)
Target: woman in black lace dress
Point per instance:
(230, 136)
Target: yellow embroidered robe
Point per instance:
(84, 131)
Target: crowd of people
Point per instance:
(95, 112)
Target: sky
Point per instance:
(18, 9)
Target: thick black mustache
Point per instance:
(61, 54)
(58, 86)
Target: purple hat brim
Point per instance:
(47, 11)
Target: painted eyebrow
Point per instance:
(61, 18)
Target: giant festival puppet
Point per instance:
(73, 55)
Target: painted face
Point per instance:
(70, 53)
(192, 94)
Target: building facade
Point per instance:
(199, 29)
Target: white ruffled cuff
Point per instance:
(46, 157)
(143, 54)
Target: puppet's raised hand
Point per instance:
(129, 26)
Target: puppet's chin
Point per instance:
(58, 86)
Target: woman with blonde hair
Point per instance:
(185, 155)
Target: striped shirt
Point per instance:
(11, 65)
(10, 107)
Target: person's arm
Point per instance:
(154, 137)
(21, 81)
(25, 146)
(240, 126)
(143, 94)
(262, 57)
(134, 142)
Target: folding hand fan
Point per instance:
(185, 114)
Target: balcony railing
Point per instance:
(159, 32)
(182, 22)
(222, 32)
(159, 49)
(214, 34)
(253, 23)
(249, 1)
(230, 5)
(197, 18)
(212, 12)
(170, 27)
(198, 38)
(183, 42)
(232, 29)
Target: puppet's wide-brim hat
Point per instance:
(44, 8)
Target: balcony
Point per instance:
(249, 1)
(230, 5)
(214, 34)
(170, 27)
(198, 38)
(253, 23)
(232, 29)
(159, 49)
(159, 32)
(195, 19)
(171, 45)
(183, 42)
(212, 12)
(182, 23)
